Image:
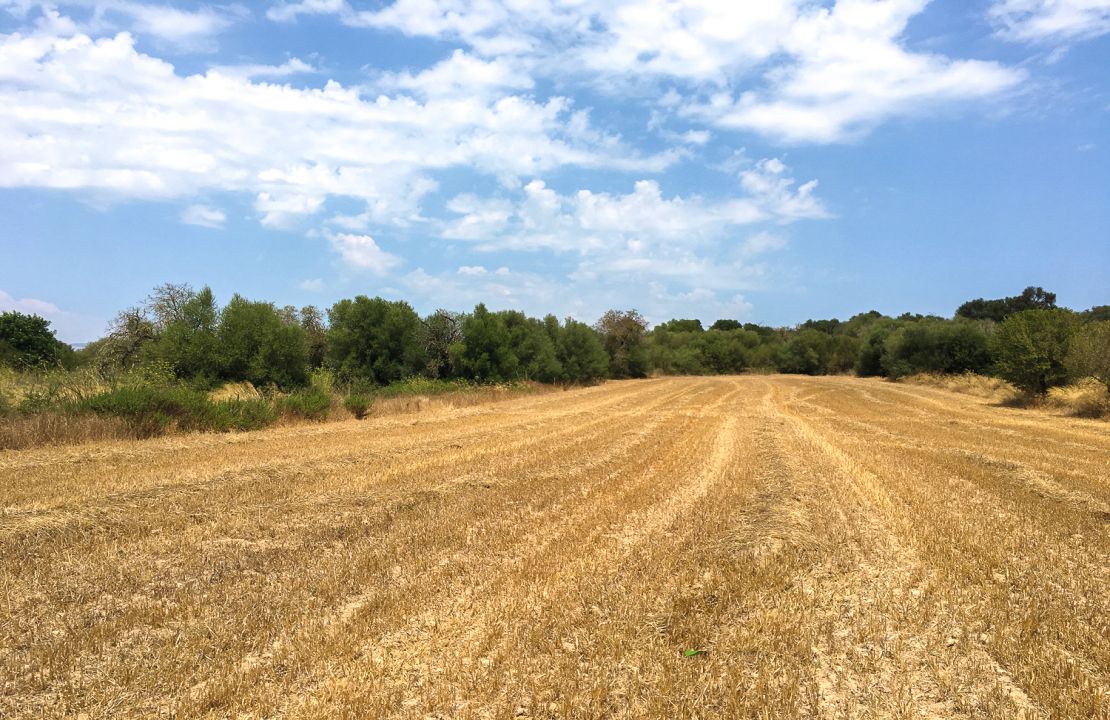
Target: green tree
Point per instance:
(485, 351)
(1089, 352)
(725, 325)
(940, 346)
(26, 341)
(581, 355)
(532, 346)
(260, 344)
(315, 335)
(440, 331)
(189, 343)
(623, 335)
(375, 340)
(1031, 298)
(682, 326)
(1029, 348)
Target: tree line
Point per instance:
(1026, 339)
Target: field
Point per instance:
(833, 547)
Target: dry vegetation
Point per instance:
(1086, 398)
(836, 547)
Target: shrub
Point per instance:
(151, 411)
(358, 404)
(308, 404)
(1030, 346)
(1089, 353)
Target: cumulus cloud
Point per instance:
(312, 284)
(587, 222)
(361, 251)
(99, 116)
(203, 216)
(188, 29)
(1053, 21)
(790, 69)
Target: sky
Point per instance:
(766, 161)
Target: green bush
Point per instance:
(151, 411)
(242, 415)
(307, 404)
(358, 404)
(1030, 346)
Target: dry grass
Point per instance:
(839, 548)
(990, 388)
(1086, 398)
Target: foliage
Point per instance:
(440, 331)
(306, 404)
(375, 340)
(358, 404)
(1029, 348)
(260, 346)
(26, 341)
(485, 352)
(1032, 298)
(935, 346)
(582, 357)
(153, 411)
(189, 343)
(623, 336)
(1089, 352)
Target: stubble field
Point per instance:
(836, 548)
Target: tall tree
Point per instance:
(441, 330)
(260, 345)
(315, 335)
(189, 344)
(622, 334)
(485, 351)
(375, 340)
(1030, 348)
(581, 355)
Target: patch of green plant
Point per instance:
(358, 404)
(307, 404)
(239, 414)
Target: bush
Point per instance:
(1030, 346)
(358, 404)
(1089, 353)
(151, 411)
(308, 404)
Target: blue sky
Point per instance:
(770, 161)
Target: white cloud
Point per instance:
(312, 285)
(588, 222)
(289, 11)
(847, 73)
(1054, 21)
(28, 306)
(203, 216)
(98, 116)
(292, 66)
(795, 70)
(189, 29)
(362, 252)
(460, 74)
(472, 270)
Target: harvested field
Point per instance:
(837, 548)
